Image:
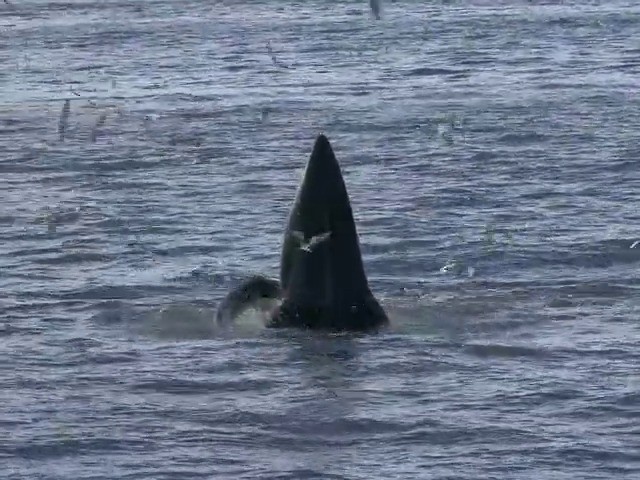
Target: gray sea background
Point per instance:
(491, 152)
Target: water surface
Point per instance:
(491, 152)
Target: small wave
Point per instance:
(483, 156)
(195, 387)
(75, 258)
(82, 343)
(430, 71)
(523, 138)
(506, 351)
(72, 447)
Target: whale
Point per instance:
(323, 284)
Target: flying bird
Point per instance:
(309, 245)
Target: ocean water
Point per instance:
(491, 151)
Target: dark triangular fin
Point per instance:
(321, 266)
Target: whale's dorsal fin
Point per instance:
(321, 269)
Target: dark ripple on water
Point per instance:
(490, 149)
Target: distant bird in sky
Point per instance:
(376, 6)
(95, 130)
(275, 61)
(64, 119)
